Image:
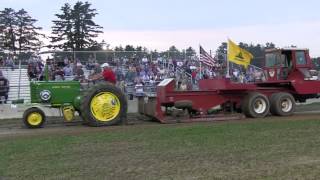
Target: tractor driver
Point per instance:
(107, 74)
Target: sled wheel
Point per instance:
(255, 105)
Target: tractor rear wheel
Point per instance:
(103, 105)
(255, 105)
(282, 104)
(34, 118)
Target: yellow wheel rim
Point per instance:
(34, 119)
(105, 106)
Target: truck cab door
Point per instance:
(278, 65)
(303, 64)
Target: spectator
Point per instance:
(40, 68)
(79, 74)
(184, 85)
(9, 62)
(180, 64)
(258, 76)
(72, 65)
(59, 74)
(4, 88)
(1, 62)
(66, 61)
(198, 75)
(130, 75)
(174, 62)
(96, 74)
(144, 60)
(145, 77)
(97, 68)
(242, 78)
(193, 76)
(139, 88)
(31, 71)
(119, 74)
(51, 69)
(91, 63)
(235, 74)
(188, 70)
(68, 70)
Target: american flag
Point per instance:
(206, 58)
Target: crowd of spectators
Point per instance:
(134, 72)
(35, 68)
(143, 71)
(249, 75)
(56, 70)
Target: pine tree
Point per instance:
(75, 28)
(62, 29)
(18, 32)
(8, 29)
(190, 52)
(27, 36)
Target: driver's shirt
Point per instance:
(109, 75)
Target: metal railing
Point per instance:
(148, 89)
(18, 94)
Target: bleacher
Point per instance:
(19, 84)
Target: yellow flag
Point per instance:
(238, 55)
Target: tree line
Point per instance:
(74, 29)
(18, 31)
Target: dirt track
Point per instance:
(14, 128)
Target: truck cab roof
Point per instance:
(286, 49)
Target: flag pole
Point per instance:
(200, 62)
(200, 70)
(228, 65)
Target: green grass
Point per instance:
(265, 149)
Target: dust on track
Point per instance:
(55, 126)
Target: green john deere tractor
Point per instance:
(100, 105)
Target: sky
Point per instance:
(183, 23)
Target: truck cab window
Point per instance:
(300, 58)
(278, 60)
(271, 59)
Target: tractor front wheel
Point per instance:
(103, 105)
(34, 118)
